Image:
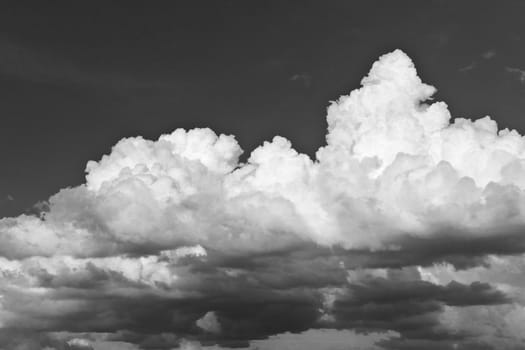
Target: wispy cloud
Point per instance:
(469, 67)
(485, 56)
(304, 79)
(6, 200)
(517, 73)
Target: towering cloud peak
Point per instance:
(397, 68)
(386, 116)
(387, 146)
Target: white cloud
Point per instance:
(209, 323)
(79, 342)
(393, 165)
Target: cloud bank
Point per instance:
(405, 223)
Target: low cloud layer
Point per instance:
(406, 223)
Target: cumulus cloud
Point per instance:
(209, 323)
(174, 238)
(392, 165)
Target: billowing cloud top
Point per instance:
(222, 252)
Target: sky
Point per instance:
(262, 175)
(76, 78)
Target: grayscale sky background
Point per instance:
(77, 77)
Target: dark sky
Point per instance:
(403, 230)
(77, 77)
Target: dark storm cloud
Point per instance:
(393, 291)
(260, 300)
(251, 303)
(401, 301)
(456, 248)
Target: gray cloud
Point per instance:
(303, 78)
(518, 73)
(485, 56)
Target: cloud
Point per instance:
(303, 78)
(392, 165)
(174, 238)
(312, 339)
(79, 343)
(400, 300)
(325, 339)
(468, 67)
(499, 326)
(518, 73)
(487, 55)
(209, 323)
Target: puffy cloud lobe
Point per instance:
(209, 323)
(167, 163)
(177, 231)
